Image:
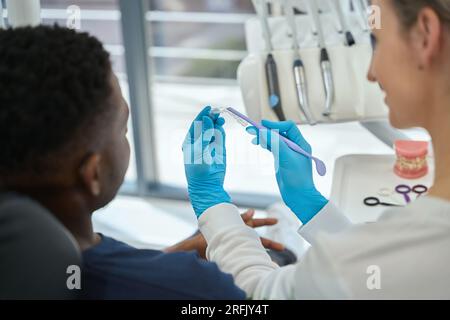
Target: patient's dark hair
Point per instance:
(54, 85)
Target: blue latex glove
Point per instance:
(205, 161)
(293, 171)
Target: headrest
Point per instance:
(35, 249)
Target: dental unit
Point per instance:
(270, 65)
(298, 66)
(325, 63)
(343, 26)
(360, 6)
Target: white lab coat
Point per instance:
(404, 255)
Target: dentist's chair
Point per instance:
(35, 251)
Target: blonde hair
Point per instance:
(408, 10)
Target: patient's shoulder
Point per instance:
(179, 274)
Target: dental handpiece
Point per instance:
(274, 87)
(327, 73)
(302, 90)
(298, 67)
(320, 165)
(270, 65)
(325, 63)
(2, 21)
(350, 40)
(360, 7)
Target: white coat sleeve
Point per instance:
(237, 250)
(328, 220)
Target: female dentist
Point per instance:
(406, 253)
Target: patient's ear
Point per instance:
(90, 174)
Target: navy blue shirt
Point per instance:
(114, 270)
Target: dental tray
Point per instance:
(359, 176)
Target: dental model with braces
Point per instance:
(411, 160)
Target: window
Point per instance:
(185, 42)
(194, 67)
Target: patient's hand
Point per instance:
(198, 243)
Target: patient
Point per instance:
(63, 126)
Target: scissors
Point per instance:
(373, 202)
(406, 190)
(401, 189)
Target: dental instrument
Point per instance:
(402, 189)
(270, 65)
(325, 63)
(405, 190)
(349, 39)
(386, 193)
(298, 67)
(360, 6)
(244, 120)
(2, 20)
(374, 201)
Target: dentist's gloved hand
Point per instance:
(293, 171)
(205, 161)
